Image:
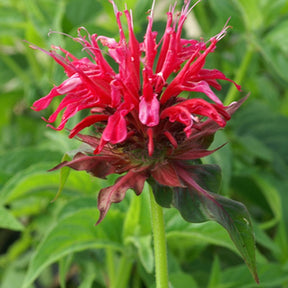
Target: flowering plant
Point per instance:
(145, 126)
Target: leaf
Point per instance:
(64, 174)
(115, 193)
(35, 180)
(210, 178)
(145, 251)
(20, 159)
(8, 221)
(274, 49)
(232, 215)
(260, 119)
(275, 37)
(182, 280)
(196, 204)
(271, 275)
(215, 274)
(138, 218)
(272, 196)
(251, 13)
(137, 229)
(223, 158)
(193, 234)
(225, 9)
(64, 265)
(74, 233)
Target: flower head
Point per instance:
(141, 125)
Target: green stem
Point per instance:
(160, 251)
(123, 273)
(231, 95)
(110, 266)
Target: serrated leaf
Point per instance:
(8, 221)
(74, 233)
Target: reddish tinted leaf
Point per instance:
(116, 192)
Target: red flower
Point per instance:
(141, 126)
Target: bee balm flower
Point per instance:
(141, 126)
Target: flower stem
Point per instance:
(231, 95)
(160, 251)
(110, 266)
(123, 273)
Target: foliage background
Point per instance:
(44, 244)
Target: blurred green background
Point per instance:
(44, 244)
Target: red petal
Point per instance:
(88, 121)
(193, 106)
(149, 111)
(116, 129)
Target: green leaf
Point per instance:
(20, 159)
(145, 251)
(64, 174)
(232, 215)
(195, 234)
(276, 59)
(138, 218)
(260, 119)
(64, 265)
(223, 158)
(8, 221)
(137, 228)
(182, 280)
(215, 274)
(270, 274)
(272, 196)
(225, 9)
(251, 13)
(275, 37)
(74, 233)
(196, 204)
(37, 181)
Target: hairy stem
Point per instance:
(160, 251)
